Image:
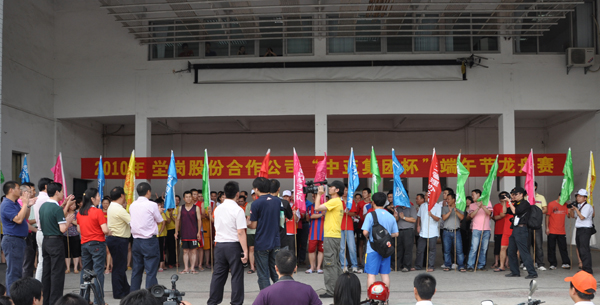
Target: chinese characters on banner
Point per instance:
(415, 166)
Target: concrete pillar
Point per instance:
(320, 134)
(143, 138)
(506, 144)
(1, 29)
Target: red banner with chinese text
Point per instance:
(415, 166)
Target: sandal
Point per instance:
(184, 272)
(251, 271)
(445, 269)
(106, 272)
(498, 270)
(200, 269)
(430, 270)
(319, 271)
(76, 271)
(308, 271)
(463, 270)
(194, 272)
(69, 271)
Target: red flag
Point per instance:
(298, 185)
(59, 174)
(529, 169)
(434, 189)
(264, 168)
(321, 174)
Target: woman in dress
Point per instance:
(72, 241)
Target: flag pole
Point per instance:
(428, 217)
(396, 254)
(456, 219)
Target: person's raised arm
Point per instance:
(445, 216)
(64, 226)
(459, 214)
(435, 218)
(318, 206)
(24, 212)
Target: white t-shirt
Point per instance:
(229, 217)
(587, 211)
(429, 227)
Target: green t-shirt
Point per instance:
(51, 216)
(248, 207)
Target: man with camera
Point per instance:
(333, 233)
(520, 208)
(584, 224)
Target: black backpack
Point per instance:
(536, 218)
(382, 240)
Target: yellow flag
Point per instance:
(591, 180)
(130, 180)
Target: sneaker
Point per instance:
(521, 266)
(355, 270)
(524, 268)
(566, 266)
(481, 269)
(345, 270)
(552, 268)
(542, 268)
(359, 271)
(470, 269)
(445, 267)
(454, 266)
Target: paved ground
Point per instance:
(453, 288)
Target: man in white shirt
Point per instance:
(427, 226)
(584, 223)
(231, 251)
(145, 251)
(424, 288)
(39, 237)
(583, 288)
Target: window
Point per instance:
(299, 28)
(17, 165)
(575, 30)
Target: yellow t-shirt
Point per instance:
(540, 201)
(171, 225)
(164, 232)
(333, 218)
(118, 220)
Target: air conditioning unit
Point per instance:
(580, 57)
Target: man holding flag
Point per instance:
(406, 217)
(350, 211)
(520, 208)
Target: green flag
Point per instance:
(489, 181)
(462, 173)
(567, 183)
(1, 177)
(375, 171)
(205, 181)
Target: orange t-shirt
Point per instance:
(556, 218)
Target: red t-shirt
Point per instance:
(499, 227)
(89, 225)
(347, 222)
(556, 218)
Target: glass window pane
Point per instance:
(274, 30)
(584, 25)
(242, 47)
(399, 43)
(427, 44)
(558, 39)
(485, 43)
(214, 33)
(187, 49)
(339, 44)
(525, 44)
(162, 50)
(458, 43)
(271, 47)
(366, 28)
(299, 28)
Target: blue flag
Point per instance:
(24, 175)
(352, 179)
(171, 181)
(101, 181)
(400, 196)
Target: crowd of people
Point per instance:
(272, 236)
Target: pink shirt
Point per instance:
(144, 218)
(481, 221)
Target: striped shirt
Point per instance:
(316, 225)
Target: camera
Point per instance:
(571, 205)
(168, 296)
(313, 187)
(88, 275)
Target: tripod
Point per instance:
(88, 284)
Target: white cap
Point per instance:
(287, 193)
(582, 192)
(252, 192)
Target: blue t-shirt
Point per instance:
(8, 211)
(266, 212)
(385, 219)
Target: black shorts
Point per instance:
(189, 244)
(497, 243)
(250, 240)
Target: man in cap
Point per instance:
(584, 224)
(520, 208)
(583, 288)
